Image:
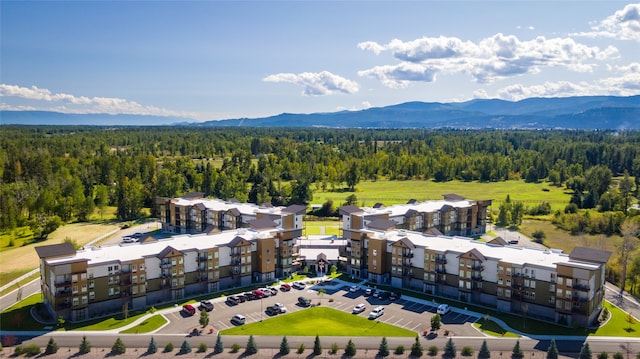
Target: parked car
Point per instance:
(305, 302)
(376, 312)
(359, 308)
(188, 309)
(281, 306)
(376, 294)
(249, 296)
(265, 291)
(395, 296)
(258, 294)
(273, 290)
(206, 305)
(443, 309)
(276, 309)
(238, 319)
(233, 300)
(299, 285)
(128, 239)
(513, 241)
(354, 288)
(368, 291)
(285, 287)
(384, 295)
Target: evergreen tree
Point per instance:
(605, 355)
(185, 348)
(350, 349)
(450, 349)
(436, 322)
(252, 347)
(284, 346)
(517, 352)
(85, 346)
(219, 347)
(383, 350)
(204, 318)
(153, 346)
(585, 352)
(552, 352)
(317, 348)
(416, 348)
(118, 347)
(52, 347)
(484, 352)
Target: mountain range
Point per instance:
(584, 112)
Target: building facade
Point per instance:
(543, 284)
(97, 281)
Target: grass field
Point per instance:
(322, 321)
(323, 227)
(492, 328)
(149, 324)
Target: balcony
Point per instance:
(517, 274)
(201, 259)
(581, 287)
(408, 254)
(442, 260)
(478, 267)
(441, 271)
(476, 278)
(407, 263)
(165, 265)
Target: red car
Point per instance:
(258, 293)
(285, 287)
(189, 309)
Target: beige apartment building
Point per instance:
(96, 281)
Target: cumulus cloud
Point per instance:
(493, 58)
(67, 103)
(317, 83)
(623, 24)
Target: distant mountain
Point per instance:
(102, 119)
(587, 112)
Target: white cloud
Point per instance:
(493, 58)
(623, 24)
(81, 104)
(366, 105)
(317, 83)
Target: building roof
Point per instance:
(262, 223)
(56, 250)
(590, 254)
(296, 209)
(400, 210)
(349, 209)
(382, 224)
(499, 241)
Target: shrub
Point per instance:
(252, 347)
(399, 350)
(202, 348)
(52, 347)
(585, 351)
(449, 349)
(618, 355)
(466, 351)
(350, 349)
(235, 348)
(168, 348)
(153, 346)
(185, 348)
(300, 348)
(552, 352)
(118, 347)
(484, 352)
(416, 348)
(284, 346)
(28, 350)
(219, 347)
(383, 350)
(603, 355)
(85, 346)
(517, 352)
(432, 350)
(334, 348)
(317, 347)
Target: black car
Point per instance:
(305, 302)
(233, 300)
(272, 310)
(206, 305)
(249, 296)
(395, 296)
(384, 295)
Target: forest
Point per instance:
(50, 175)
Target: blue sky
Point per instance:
(217, 59)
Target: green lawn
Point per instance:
(324, 227)
(322, 321)
(618, 326)
(18, 316)
(150, 324)
(492, 328)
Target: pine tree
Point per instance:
(153, 346)
(284, 346)
(383, 350)
(585, 352)
(317, 347)
(484, 352)
(185, 348)
(204, 318)
(85, 346)
(517, 352)
(416, 348)
(52, 347)
(450, 349)
(350, 349)
(219, 347)
(552, 352)
(118, 347)
(252, 347)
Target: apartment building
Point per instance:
(544, 284)
(195, 214)
(452, 216)
(96, 281)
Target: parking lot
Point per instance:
(409, 313)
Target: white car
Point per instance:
(376, 312)
(266, 291)
(359, 308)
(354, 288)
(368, 291)
(443, 309)
(299, 285)
(281, 307)
(128, 239)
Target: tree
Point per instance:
(450, 349)
(185, 348)
(101, 198)
(383, 350)
(252, 347)
(585, 351)
(350, 350)
(432, 350)
(85, 346)
(153, 346)
(552, 352)
(351, 200)
(52, 347)
(202, 347)
(517, 352)
(317, 347)
(219, 347)
(629, 230)
(204, 318)
(416, 348)
(118, 347)
(484, 352)
(436, 322)
(603, 355)
(168, 348)
(284, 346)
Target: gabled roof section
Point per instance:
(378, 205)
(446, 208)
(234, 212)
(200, 206)
(590, 255)
(453, 197)
(382, 224)
(499, 241)
(166, 252)
(236, 241)
(262, 223)
(411, 213)
(233, 200)
(405, 242)
(194, 195)
(350, 209)
(434, 231)
(321, 257)
(474, 252)
(56, 250)
(412, 201)
(296, 209)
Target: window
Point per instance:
(83, 276)
(461, 283)
(507, 292)
(134, 279)
(509, 282)
(134, 268)
(461, 275)
(526, 283)
(91, 284)
(141, 266)
(499, 292)
(84, 288)
(552, 299)
(532, 284)
(461, 263)
(569, 282)
(74, 278)
(142, 277)
(75, 301)
(74, 289)
(509, 272)
(500, 269)
(111, 291)
(559, 293)
(92, 295)
(567, 305)
(500, 281)
(84, 299)
(468, 285)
